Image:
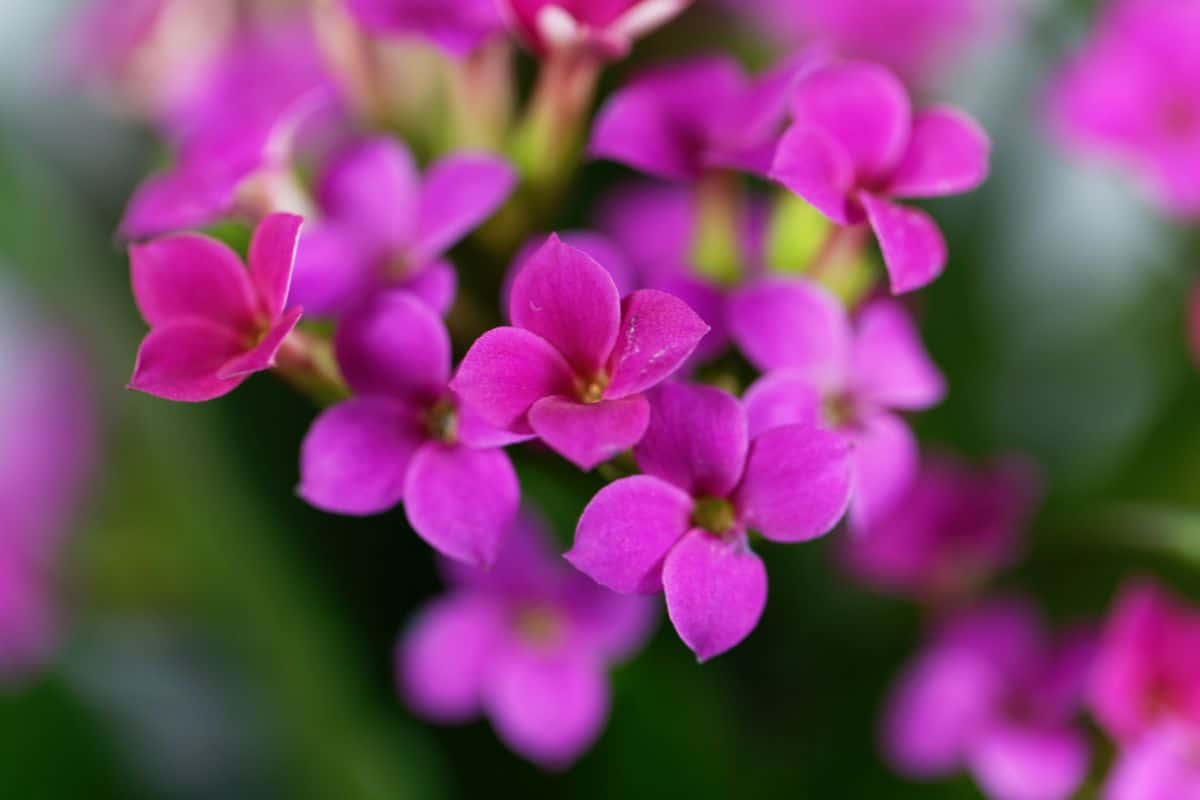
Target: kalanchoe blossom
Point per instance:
(822, 371)
(681, 121)
(387, 225)
(575, 364)
(1146, 670)
(953, 529)
(606, 28)
(212, 323)
(527, 643)
(404, 437)
(993, 695)
(235, 135)
(1133, 93)
(457, 26)
(1164, 764)
(855, 144)
(682, 527)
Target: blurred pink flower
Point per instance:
(1132, 93)
(527, 643)
(1164, 764)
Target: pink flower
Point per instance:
(404, 437)
(850, 380)
(682, 527)
(1148, 665)
(680, 121)
(386, 225)
(955, 527)
(574, 366)
(457, 26)
(605, 27)
(212, 323)
(235, 133)
(1164, 764)
(527, 643)
(855, 144)
(991, 694)
(1133, 93)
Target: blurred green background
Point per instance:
(228, 641)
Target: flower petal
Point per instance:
(864, 107)
(794, 324)
(462, 501)
(459, 192)
(797, 483)
(436, 285)
(658, 333)
(780, 398)
(444, 655)
(356, 455)
(549, 708)
(889, 363)
(373, 187)
(506, 371)
(564, 296)
(271, 256)
(885, 465)
(696, 439)
(334, 270)
(813, 165)
(626, 530)
(914, 251)
(262, 356)
(948, 154)
(716, 591)
(457, 26)
(395, 345)
(1014, 762)
(185, 196)
(191, 276)
(184, 360)
(587, 434)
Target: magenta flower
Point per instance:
(855, 144)
(992, 695)
(212, 323)
(848, 380)
(1133, 93)
(235, 134)
(680, 121)
(1146, 671)
(1164, 764)
(574, 366)
(682, 528)
(457, 26)
(386, 225)
(527, 643)
(404, 437)
(605, 27)
(954, 528)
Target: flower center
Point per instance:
(441, 422)
(592, 391)
(540, 626)
(1180, 119)
(715, 515)
(838, 410)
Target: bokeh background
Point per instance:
(224, 640)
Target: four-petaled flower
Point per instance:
(574, 366)
(387, 225)
(682, 527)
(212, 323)
(528, 643)
(820, 370)
(855, 143)
(404, 437)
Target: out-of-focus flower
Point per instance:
(1133, 93)
(935, 32)
(386, 224)
(577, 361)
(212, 322)
(235, 134)
(457, 26)
(404, 437)
(991, 694)
(682, 527)
(680, 121)
(528, 643)
(822, 372)
(47, 453)
(1146, 671)
(953, 528)
(604, 27)
(1164, 764)
(855, 144)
